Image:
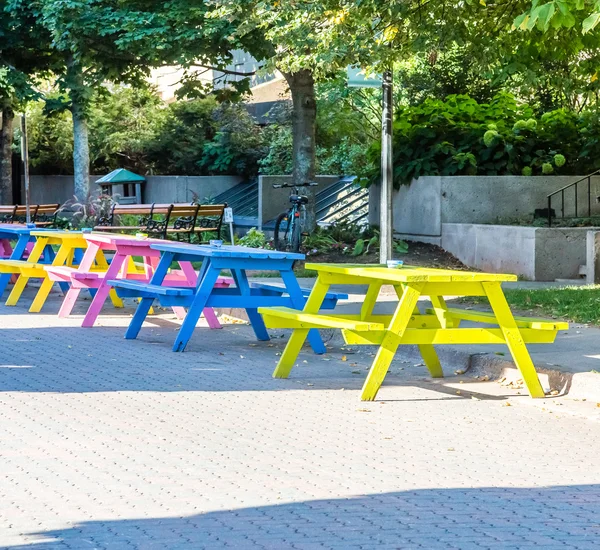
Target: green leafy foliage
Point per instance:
(253, 239)
(133, 128)
(460, 136)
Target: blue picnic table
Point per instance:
(22, 235)
(249, 296)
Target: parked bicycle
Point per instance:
(290, 225)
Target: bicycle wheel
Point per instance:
(295, 237)
(280, 236)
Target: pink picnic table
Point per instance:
(94, 271)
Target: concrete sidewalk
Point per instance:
(570, 365)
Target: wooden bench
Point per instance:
(43, 215)
(165, 219)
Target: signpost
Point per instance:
(25, 158)
(228, 218)
(358, 79)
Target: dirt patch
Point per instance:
(419, 254)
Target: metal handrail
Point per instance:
(562, 193)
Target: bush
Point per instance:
(460, 136)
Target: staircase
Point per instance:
(344, 201)
(578, 203)
(243, 198)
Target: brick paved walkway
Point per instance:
(114, 444)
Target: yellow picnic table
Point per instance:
(408, 325)
(68, 243)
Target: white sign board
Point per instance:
(358, 79)
(228, 215)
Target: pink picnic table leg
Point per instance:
(192, 279)
(6, 251)
(5, 248)
(72, 294)
(103, 290)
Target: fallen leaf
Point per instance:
(364, 410)
(451, 448)
(507, 404)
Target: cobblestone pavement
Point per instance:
(106, 443)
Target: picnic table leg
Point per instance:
(192, 279)
(21, 283)
(427, 351)
(209, 312)
(256, 321)
(63, 255)
(146, 303)
(103, 290)
(102, 263)
(16, 254)
(207, 283)
(298, 337)
(91, 255)
(388, 347)
(513, 338)
(298, 302)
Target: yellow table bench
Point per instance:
(407, 325)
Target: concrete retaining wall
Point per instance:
(168, 189)
(430, 201)
(537, 253)
(159, 189)
(271, 202)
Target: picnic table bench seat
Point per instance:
(286, 317)
(488, 317)
(139, 289)
(165, 219)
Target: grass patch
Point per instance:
(579, 304)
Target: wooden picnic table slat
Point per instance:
(407, 274)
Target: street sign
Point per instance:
(228, 215)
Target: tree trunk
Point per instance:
(81, 150)
(81, 155)
(6, 139)
(304, 115)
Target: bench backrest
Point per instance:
(45, 214)
(47, 209)
(210, 217)
(184, 210)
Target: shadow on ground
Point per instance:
(75, 360)
(548, 517)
